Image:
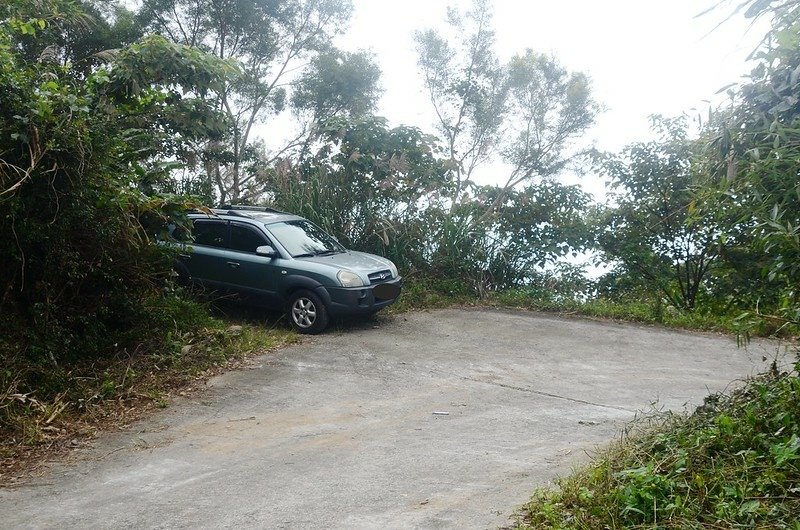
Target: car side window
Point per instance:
(210, 233)
(245, 239)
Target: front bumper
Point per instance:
(353, 301)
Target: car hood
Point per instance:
(354, 261)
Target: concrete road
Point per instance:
(446, 419)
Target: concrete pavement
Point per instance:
(442, 419)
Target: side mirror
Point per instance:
(266, 251)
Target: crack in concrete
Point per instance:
(545, 394)
(530, 390)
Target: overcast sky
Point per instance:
(643, 56)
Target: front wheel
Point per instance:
(307, 313)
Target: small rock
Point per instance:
(234, 330)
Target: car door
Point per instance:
(254, 274)
(205, 257)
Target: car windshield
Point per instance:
(303, 238)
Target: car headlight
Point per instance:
(393, 269)
(349, 279)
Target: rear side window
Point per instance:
(210, 233)
(245, 239)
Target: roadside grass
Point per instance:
(734, 463)
(44, 409)
(643, 311)
(421, 294)
(425, 293)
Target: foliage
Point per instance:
(366, 185)
(88, 315)
(466, 89)
(338, 84)
(528, 229)
(658, 229)
(383, 190)
(527, 111)
(554, 293)
(734, 463)
(81, 272)
(548, 108)
(81, 33)
(757, 153)
(271, 41)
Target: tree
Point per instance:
(368, 184)
(82, 33)
(272, 41)
(338, 84)
(531, 229)
(757, 154)
(658, 228)
(551, 107)
(524, 113)
(467, 89)
(527, 111)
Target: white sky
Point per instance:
(643, 56)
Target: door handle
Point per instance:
(185, 256)
(233, 264)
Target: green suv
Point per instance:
(285, 261)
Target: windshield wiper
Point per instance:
(305, 255)
(327, 252)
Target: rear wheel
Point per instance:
(307, 313)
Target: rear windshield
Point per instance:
(303, 238)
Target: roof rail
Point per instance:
(245, 207)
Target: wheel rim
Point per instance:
(304, 313)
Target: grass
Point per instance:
(423, 293)
(734, 463)
(430, 294)
(47, 408)
(643, 311)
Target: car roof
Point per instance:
(264, 215)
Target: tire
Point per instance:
(307, 313)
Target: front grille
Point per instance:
(380, 276)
